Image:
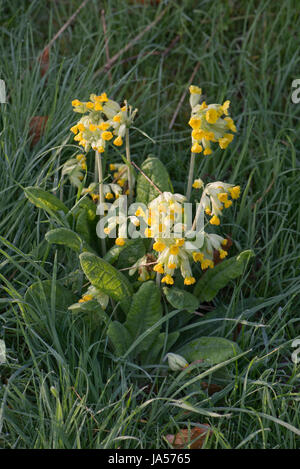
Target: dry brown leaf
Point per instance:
(192, 438)
(44, 61)
(211, 388)
(37, 126)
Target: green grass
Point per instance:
(61, 387)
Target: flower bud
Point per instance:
(176, 362)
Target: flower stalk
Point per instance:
(101, 192)
(190, 177)
(128, 157)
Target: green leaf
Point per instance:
(133, 250)
(212, 350)
(45, 200)
(107, 279)
(145, 311)
(152, 355)
(120, 337)
(156, 171)
(181, 299)
(68, 238)
(218, 277)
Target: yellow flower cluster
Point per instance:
(110, 191)
(174, 250)
(104, 120)
(94, 294)
(215, 198)
(120, 176)
(208, 123)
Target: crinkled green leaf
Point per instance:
(43, 199)
(181, 299)
(218, 277)
(145, 311)
(156, 171)
(107, 279)
(68, 238)
(212, 350)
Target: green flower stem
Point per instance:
(101, 193)
(191, 176)
(130, 188)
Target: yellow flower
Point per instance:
(159, 268)
(207, 151)
(223, 196)
(189, 280)
(224, 142)
(120, 241)
(174, 250)
(98, 107)
(159, 246)
(85, 298)
(106, 230)
(106, 135)
(109, 196)
(225, 107)
(230, 124)
(148, 233)
(198, 134)
(90, 105)
(118, 141)
(93, 127)
(117, 118)
(76, 102)
(80, 127)
(167, 279)
(195, 89)
(235, 192)
(227, 203)
(195, 122)
(211, 116)
(180, 242)
(112, 167)
(172, 266)
(207, 263)
(198, 256)
(140, 212)
(223, 253)
(197, 184)
(100, 149)
(196, 148)
(214, 220)
(102, 98)
(74, 129)
(103, 126)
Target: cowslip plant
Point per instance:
(139, 242)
